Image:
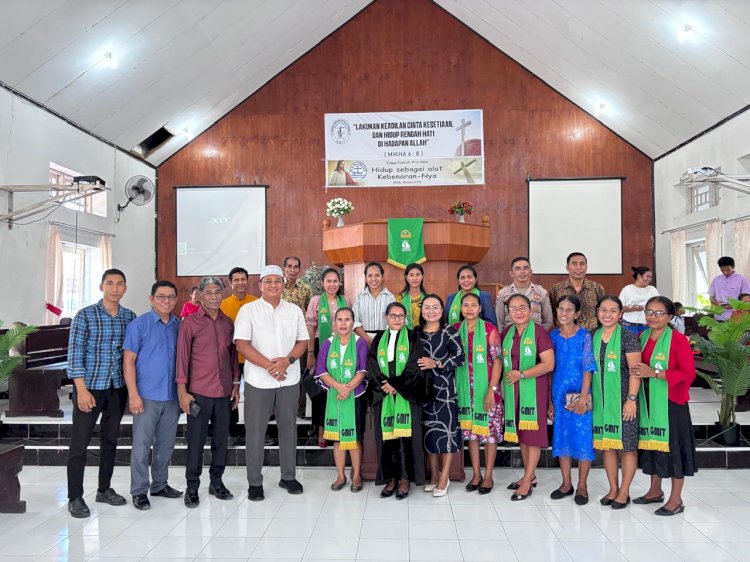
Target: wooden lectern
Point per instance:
(447, 244)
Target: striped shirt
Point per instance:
(95, 346)
(369, 312)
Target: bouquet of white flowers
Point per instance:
(338, 207)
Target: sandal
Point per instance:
(515, 485)
(643, 500)
(669, 512)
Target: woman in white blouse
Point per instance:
(634, 298)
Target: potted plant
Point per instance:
(461, 209)
(727, 349)
(11, 456)
(339, 207)
(11, 339)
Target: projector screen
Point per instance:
(581, 215)
(219, 228)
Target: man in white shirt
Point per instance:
(272, 335)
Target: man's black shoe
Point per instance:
(167, 492)
(110, 496)
(255, 493)
(140, 501)
(270, 441)
(78, 508)
(291, 486)
(220, 491)
(191, 498)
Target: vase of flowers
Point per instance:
(339, 207)
(460, 209)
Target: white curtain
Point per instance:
(106, 248)
(713, 249)
(679, 267)
(742, 247)
(53, 274)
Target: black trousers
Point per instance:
(234, 416)
(110, 404)
(216, 412)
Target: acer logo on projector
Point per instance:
(219, 220)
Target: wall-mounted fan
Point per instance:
(139, 190)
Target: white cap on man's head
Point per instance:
(271, 270)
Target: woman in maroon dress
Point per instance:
(530, 440)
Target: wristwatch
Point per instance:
(632, 397)
(292, 359)
(657, 372)
(523, 375)
(494, 389)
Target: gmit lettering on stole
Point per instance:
(331, 422)
(403, 419)
(611, 428)
(464, 410)
(655, 431)
(347, 433)
(528, 411)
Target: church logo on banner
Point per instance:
(405, 242)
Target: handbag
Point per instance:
(310, 384)
(572, 397)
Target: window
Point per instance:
(81, 273)
(702, 197)
(697, 277)
(94, 204)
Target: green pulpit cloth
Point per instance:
(405, 243)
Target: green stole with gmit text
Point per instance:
(528, 419)
(395, 416)
(654, 420)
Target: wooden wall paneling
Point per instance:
(397, 55)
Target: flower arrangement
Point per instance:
(461, 208)
(338, 207)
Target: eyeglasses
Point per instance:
(522, 308)
(655, 313)
(165, 297)
(396, 316)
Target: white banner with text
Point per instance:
(411, 148)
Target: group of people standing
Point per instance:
(465, 370)
(434, 374)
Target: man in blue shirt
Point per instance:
(148, 363)
(95, 365)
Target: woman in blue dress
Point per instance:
(573, 430)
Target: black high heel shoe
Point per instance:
(515, 485)
(516, 497)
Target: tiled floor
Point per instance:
(325, 525)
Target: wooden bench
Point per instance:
(34, 384)
(11, 463)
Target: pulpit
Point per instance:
(447, 244)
